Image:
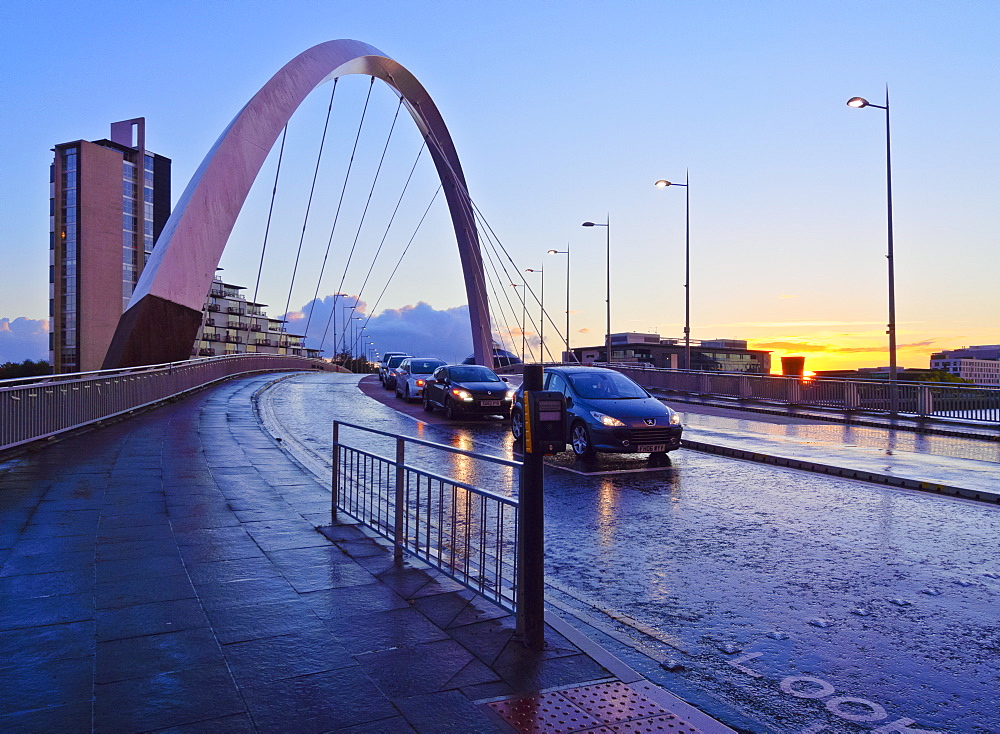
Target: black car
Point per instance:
(467, 390)
(607, 412)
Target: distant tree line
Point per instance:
(937, 376)
(354, 364)
(27, 368)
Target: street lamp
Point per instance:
(524, 312)
(566, 253)
(607, 335)
(541, 321)
(662, 184)
(859, 102)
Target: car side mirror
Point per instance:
(505, 379)
(569, 402)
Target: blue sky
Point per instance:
(564, 112)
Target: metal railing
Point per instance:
(469, 534)
(922, 399)
(41, 407)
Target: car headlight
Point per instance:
(510, 394)
(461, 394)
(606, 420)
(675, 419)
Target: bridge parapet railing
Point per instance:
(921, 399)
(468, 533)
(32, 409)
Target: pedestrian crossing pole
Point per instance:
(531, 527)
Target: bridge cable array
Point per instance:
(498, 266)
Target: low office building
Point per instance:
(650, 350)
(979, 364)
(233, 325)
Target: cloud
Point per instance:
(23, 338)
(807, 347)
(418, 329)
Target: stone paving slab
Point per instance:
(167, 573)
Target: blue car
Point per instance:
(607, 412)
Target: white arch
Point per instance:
(165, 311)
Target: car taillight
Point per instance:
(420, 383)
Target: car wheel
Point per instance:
(449, 410)
(659, 458)
(428, 406)
(517, 425)
(580, 440)
(406, 393)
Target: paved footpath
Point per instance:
(962, 464)
(177, 571)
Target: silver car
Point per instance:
(412, 374)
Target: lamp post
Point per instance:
(662, 184)
(859, 102)
(345, 326)
(607, 335)
(566, 253)
(524, 311)
(541, 321)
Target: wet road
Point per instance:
(775, 600)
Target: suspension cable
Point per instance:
(350, 165)
(312, 190)
(371, 191)
(267, 227)
(402, 255)
(391, 219)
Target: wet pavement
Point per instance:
(776, 600)
(178, 572)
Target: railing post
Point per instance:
(925, 401)
(531, 528)
(851, 401)
(397, 540)
(335, 479)
(794, 390)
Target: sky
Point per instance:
(562, 112)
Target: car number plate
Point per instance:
(651, 448)
(490, 403)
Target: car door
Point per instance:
(558, 383)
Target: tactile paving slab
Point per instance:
(603, 708)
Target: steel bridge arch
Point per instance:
(164, 314)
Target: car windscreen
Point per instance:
(394, 361)
(605, 386)
(424, 366)
(473, 374)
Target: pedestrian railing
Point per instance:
(469, 534)
(41, 407)
(923, 399)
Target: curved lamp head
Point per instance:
(533, 270)
(857, 102)
(662, 184)
(589, 224)
(552, 252)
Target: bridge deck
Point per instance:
(167, 572)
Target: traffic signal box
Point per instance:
(544, 422)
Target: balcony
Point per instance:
(234, 309)
(213, 307)
(204, 352)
